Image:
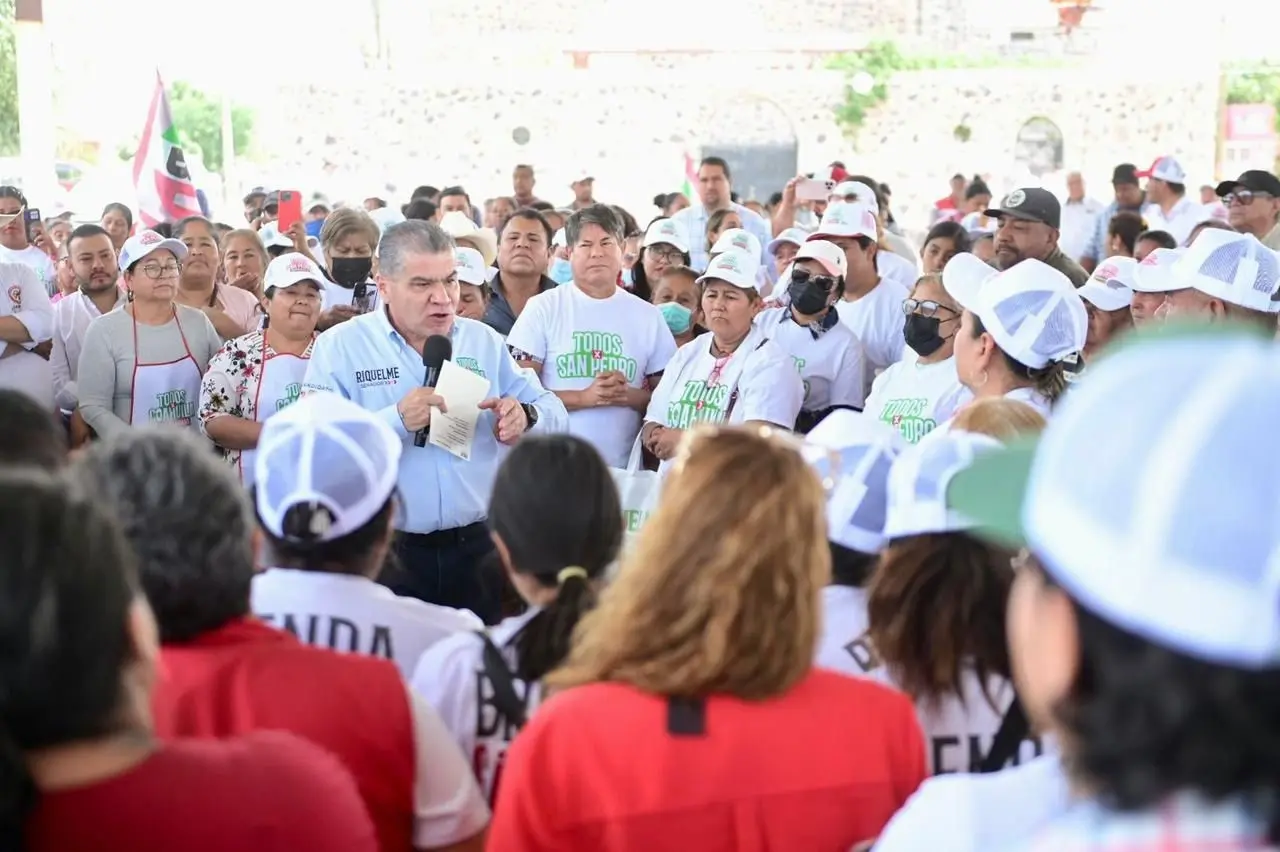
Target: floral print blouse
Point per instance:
(230, 386)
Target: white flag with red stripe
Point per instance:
(160, 176)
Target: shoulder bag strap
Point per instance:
(733, 395)
(1014, 728)
(504, 686)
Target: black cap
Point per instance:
(1032, 204)
(256, 192)
(1254, 180)
(1125, 174)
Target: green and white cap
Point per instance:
(1168, 528)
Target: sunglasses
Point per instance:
(804, 276)
(1243, 197)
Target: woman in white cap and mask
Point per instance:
(731, 374)
(826, 353)
(259, 374)
(1020, 329)
(143, 363)
(917, 393)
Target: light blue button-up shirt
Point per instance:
(366, 360)
(694, 219)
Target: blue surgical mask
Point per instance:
(628, 279)
(561, 271)
(678, 317)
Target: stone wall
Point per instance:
(631, 131)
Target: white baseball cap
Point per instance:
(830, 255)
(1173, 537)
(965, 273)
(1154, 274)
(1032, 310)
(1110, 288)
(856, 190)
(847, 219)
(735, 267)
(737, 238)
(143, 243)
(853, 454)
(1166, 169)
(1233, 267)
(459, 226)
(667, 231)
(919, 482)
(292, 268)
(470, 266)
(792, 236)
(323, 469)
(559, 240)
(273, 237)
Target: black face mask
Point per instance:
(809, 293)
(350, 271)
(921, 333)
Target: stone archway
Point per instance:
(1039, 147)
(756, 137)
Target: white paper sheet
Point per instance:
(463, 391)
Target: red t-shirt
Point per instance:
(264, 792)
(819, 769)
(247, 676)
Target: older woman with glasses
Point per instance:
(917, 393)
(143, 364)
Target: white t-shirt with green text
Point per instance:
(914, 397)
(768, 387)
(577, 337)
(831, 364)
(877, 320)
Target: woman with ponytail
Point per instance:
(80, 765)
(557, 525)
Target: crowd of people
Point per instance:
(757, 526)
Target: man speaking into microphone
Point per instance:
(377, 360)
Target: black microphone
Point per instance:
(435, 352)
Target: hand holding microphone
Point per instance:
(420, 401)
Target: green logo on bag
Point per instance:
(698, 403)
(171, 407)
(595, 352)
(907, 416)
(635, 519)
(291, 394)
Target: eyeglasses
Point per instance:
(1243, 197)
(925, 307)
(668, 253)
(155, 271)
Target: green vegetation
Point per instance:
(198, 119)
(869, 71)
(1255, 84)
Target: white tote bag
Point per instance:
(638, 489)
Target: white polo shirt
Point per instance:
(576, 337)
(24, 298)
(346, 612)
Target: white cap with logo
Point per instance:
(830, 255)
(1110, 288)
(847, 219)
(737, 238)
(667, 231)
(1166, 169)
(469, 264)
(791, 236)
(323, 469)
(1154, 274)
(856, 191)
(1031, 309)
(734, 267)
(292, 268)
(144, 243)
